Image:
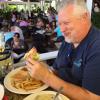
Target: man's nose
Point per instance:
(63, 28)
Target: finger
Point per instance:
(32, 61)
(29, 65)
(29, 70)
(34, 49)
(30, 73)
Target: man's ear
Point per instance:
(85, 16)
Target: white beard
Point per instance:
(68, 40)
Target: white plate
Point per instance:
(1, 92)
(7, 83)
(33, 96)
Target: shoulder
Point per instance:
(64, 47)
(95, 32)
(93, 41)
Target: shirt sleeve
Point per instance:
(91, 75)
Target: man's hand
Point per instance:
(38, 70)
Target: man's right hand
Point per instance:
(38, 70)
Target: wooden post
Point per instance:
(89, 5)
(29, 8)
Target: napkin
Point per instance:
(1, 91)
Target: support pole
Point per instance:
(89, 5)
(29, 8)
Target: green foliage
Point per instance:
(96, 19)
(6, 12)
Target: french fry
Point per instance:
(25, 82)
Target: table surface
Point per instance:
(43, 57)
(14, 96)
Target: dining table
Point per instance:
(8, 95)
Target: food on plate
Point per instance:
(22, 80)
(2, 49)
(45, 97)
(32, 53)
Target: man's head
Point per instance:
(74, 20)
(16, 37)
(39, 23)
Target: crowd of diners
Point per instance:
(23, 32)
(77, 67)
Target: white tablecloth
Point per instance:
(48, 55)
(43, 57)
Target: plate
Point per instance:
(1, 92)
(7, 83)
(33, 96)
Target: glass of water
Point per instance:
(6, 65)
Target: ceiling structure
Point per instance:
(32, 0)
(26, 0)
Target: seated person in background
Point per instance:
(19, 47)
(78, 62)
(16, 29)
(24, 23)
(7, 32)
(96, 8)
(58, 32)
(60, 37)
(48, 28)
(39, 40)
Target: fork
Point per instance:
(58, 92)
